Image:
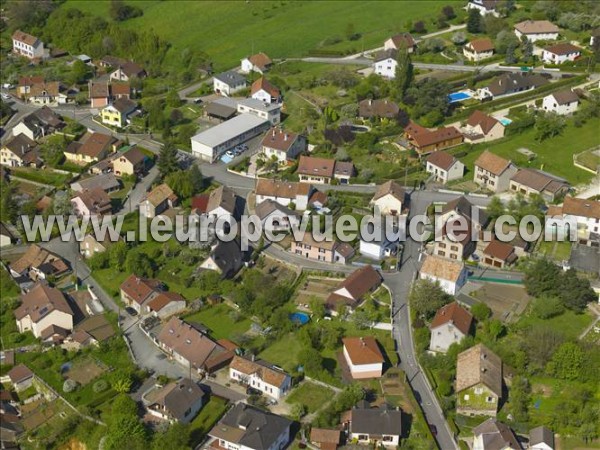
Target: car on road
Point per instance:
(433, 429)
(131, 311)
(5, 96)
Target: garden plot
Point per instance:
(315, 287)
(506, 302)
(84, 371)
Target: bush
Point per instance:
(547, 307)
(69, 385)
(100, 386)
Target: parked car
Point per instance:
(131, 311)
(5, 96)
(252, 391)
(230, 154)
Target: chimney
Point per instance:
(370, 101)
(285, 137)
(273, 132)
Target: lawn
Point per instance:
(41, 176)
(569, 323)
(9, 293)
(311, 395)
(554, 155)
(220, 320)
(228, 30)
(558, 251)
(205, 420)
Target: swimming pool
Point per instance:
(505, 121)
(300, 318)
(458, 96)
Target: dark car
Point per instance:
(252, 391)
(433, 429)
(131, 311)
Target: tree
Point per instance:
(317, 307)
(176, 437)
(448, 12)
(404, 72)
(495, 208)
(481, 311)
(311, 360)
(427, 297)
(298, 411)
(173, 99)
(510, 56)
(125, 431)
(548, 125)
(567, 362)
(459, 38)
(504, 40)
(547, 307)
(419, 27)
(176, 116)
(9, 209)
(52, 150)
(139, 263)
(167, 159)
(181, 184)
(575, 292)
(519, 399)
(527, 49)
(474, 21)
(80, 72)
(494, 329)
(542, 278)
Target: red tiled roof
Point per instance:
(455, 314)
(363, 350)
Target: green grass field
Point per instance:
(554, 155)
(228, 30)
(569, 323)
(311, 395)
(205, 420)
(218, 319)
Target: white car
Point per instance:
(5, 96)
(230, 154)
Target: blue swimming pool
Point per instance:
(458, 97)
(300, 318)
(505, 121)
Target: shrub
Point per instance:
(100, 386)
(547, 307)
(69, 385)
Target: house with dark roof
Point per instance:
(381, 425)
(9, 234)
(584, 213)
(479, 382)
(21, 377)
(494, 435)
(126, 70)
(479, 49)
(493, 172)
(444, 167)
(264, 91)
(363, 357)
(130, 162)
(261, 375)
(499, 255)
(91, 202)
(157, 201)
(510, 84)
(541, 438)
(20, 151)
(98, 93)
(562, 102)
(228, 83)
(38, 263)
(385, 62)
(118, 113)
(481, 127)
(533, 181)
(325, 439)
(484, 6)
(282, 145)
(259, 62)
(450, 325)
(192, 348)
(389, 198)
(249, 428)
(276, 217)
(354, 288)
(226, 258)
(426, 141)
(223, 202)
(324, 170)
(108, 182)
(560, 53)
(42, 308)
(379, 109)
(92, 147)
(40, 123)
(401, 40)
(179, 401)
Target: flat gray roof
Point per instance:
(227, 130)
(259, 105)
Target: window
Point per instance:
(478, 391)
(490, 400)
(454, 248)
(466, 397)
(388, 438)
(363, 437)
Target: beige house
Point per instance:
(130, 162)
(479, 49)
(481, 127)
(457, 245)
(137, 292)
(92, 147)
(450, 275)
(363, 357)
(537, 30)
(260, 375)
(499, 255)
(315, 170)
(165, 305)
(389, 198)
(326, 251)
(286, 193)
(444, 167)
(20, 151)
(38, 263)
(493, 434)
(42, 310)
(479, 382)
(282, 145)
(90, 245)
(493, 172)
(398, 41)
(158, 200)
(535, 182)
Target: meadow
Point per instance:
(229, 30)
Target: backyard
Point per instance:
(311, 395)
(206, 419)
(223, 321)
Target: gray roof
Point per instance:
(231, 78)
(223, 197)
(376, 421)
(104, 181)
(386, 54)
(225, 131)
(220, 110)
(465, 208)
(265, 208)
(229, 257)
(496, 435)
(515, 82)
(541, 435)
(259, 105)
(248, 426)
(181, 396)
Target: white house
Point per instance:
(385, 63)
(479, 49)
(537, 30)
(451, 275)
(541, 438)
(494, 435)
(484, 6)
(179, 401)
(380, 426)
(256, 63)
(481, 127)
(245, 427)
(378, 249)
(27, 45)
(282, 145)
(584, 214)
(286, 193)
(450, 325)
(363, 357)
(562, 102)
(165, 305)
(444, 167)
(389, 198)
(228, 83)
(270, 111)
(493, 172)
(560, 53)
(264, 91)
(261, 376)
(44, 308)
